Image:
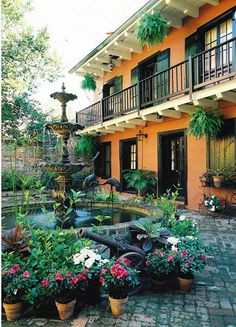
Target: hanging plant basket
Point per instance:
(152, 29)
(89, 82)
(205, 122)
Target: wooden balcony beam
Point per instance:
(122, 54)
(136, 122)
(187, 108)
(114, 128)
(103, 130)
(117, 62)
(125, 125)
(130, 36)
(184, 7)
(227, 96)
(173, 21)
(132, 47)
(99, 66)
(206, 103)
(152, 117)
(96, 71)
(170, 113)
(212, 2)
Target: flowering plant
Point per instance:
(191, 256)
(63, 284)
(160, 263)
(18, 283)
(117, 276)
(91, 261)
(184, 226)
(215, 203)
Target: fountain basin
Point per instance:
(64, 129)
(63, 168)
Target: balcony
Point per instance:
(205, 71)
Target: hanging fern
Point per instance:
(205, 122)
(152, 29)
(88, 82)
(85, 146)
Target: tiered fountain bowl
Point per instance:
(64, 168)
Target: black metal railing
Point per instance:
(206, 69)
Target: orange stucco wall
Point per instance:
(196, 149)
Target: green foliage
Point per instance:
(103, 195)
(160, 263)
(141, 180)
(85, 146)
(205, 122)
(15, 240)
(168, 206)
(88, 82)
(27, 60)
(184, 227)
(152, 29)
(100, 219)
(16, 180)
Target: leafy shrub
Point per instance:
(10, 180)
(184, 227)
(168, 206)
(85, 146)
(103, 195)
(143, 181)
(89, 82)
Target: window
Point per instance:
(222, 150)
(133, 156)
(106, 160)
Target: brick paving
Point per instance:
(211, 303)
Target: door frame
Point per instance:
(159, 154)
(121, 158)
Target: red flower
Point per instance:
(183, 253)
(118, 271)
(118, 261)
(186, 265)
(102, 280)
(81, 276)
(14, 269)
(68, 274)
(26, 274)
(59, 276)
(203, 257)
(44, 282)
(171, 258)
(223, 204)
(74, 281)
(127, 262)
(148, 263)
(103, 271)
(191, 259)
(162, 254)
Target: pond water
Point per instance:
(86, 217)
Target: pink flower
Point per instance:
(162, 254)
(186, 265)
(44, 282)
(68, 274)
(203, 257)
(103, 271)
(118, 261)
(191, 259)
(102, 280)
(59, 277)
(148, 263)
(74, 281)
(118, 271)
(14, 269)
(26, 274)
(171, 258)
(127, 262)
(183, 253)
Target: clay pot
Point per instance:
(185, 284)
(217, 180)
(65, 310)
(159, 285)
(117, 306)
(13, 311)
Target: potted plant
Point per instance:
(152, 29)
(89, 83)
(215, 203)
(205, 122)
(17, 282)
(190, 258)
(117, 277)
(63, 285)
(159, 265)
(92, 263)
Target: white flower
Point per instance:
(211, 202)
(174, 248)
(206, 202)
(89, 262)
(213, 196)
(105, 260)
(213, 209)
(182, 217)
(173, 240)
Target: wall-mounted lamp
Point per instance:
(141, 136)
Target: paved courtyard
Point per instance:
(212, 302)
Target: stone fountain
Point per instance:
(64, 168)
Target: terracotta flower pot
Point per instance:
(13, 311)
(185, 284)
(65, 310)
(159, 285)
(117, 305)
(217, 181)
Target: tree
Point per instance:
(27, 61)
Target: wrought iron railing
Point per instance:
(205, 69)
